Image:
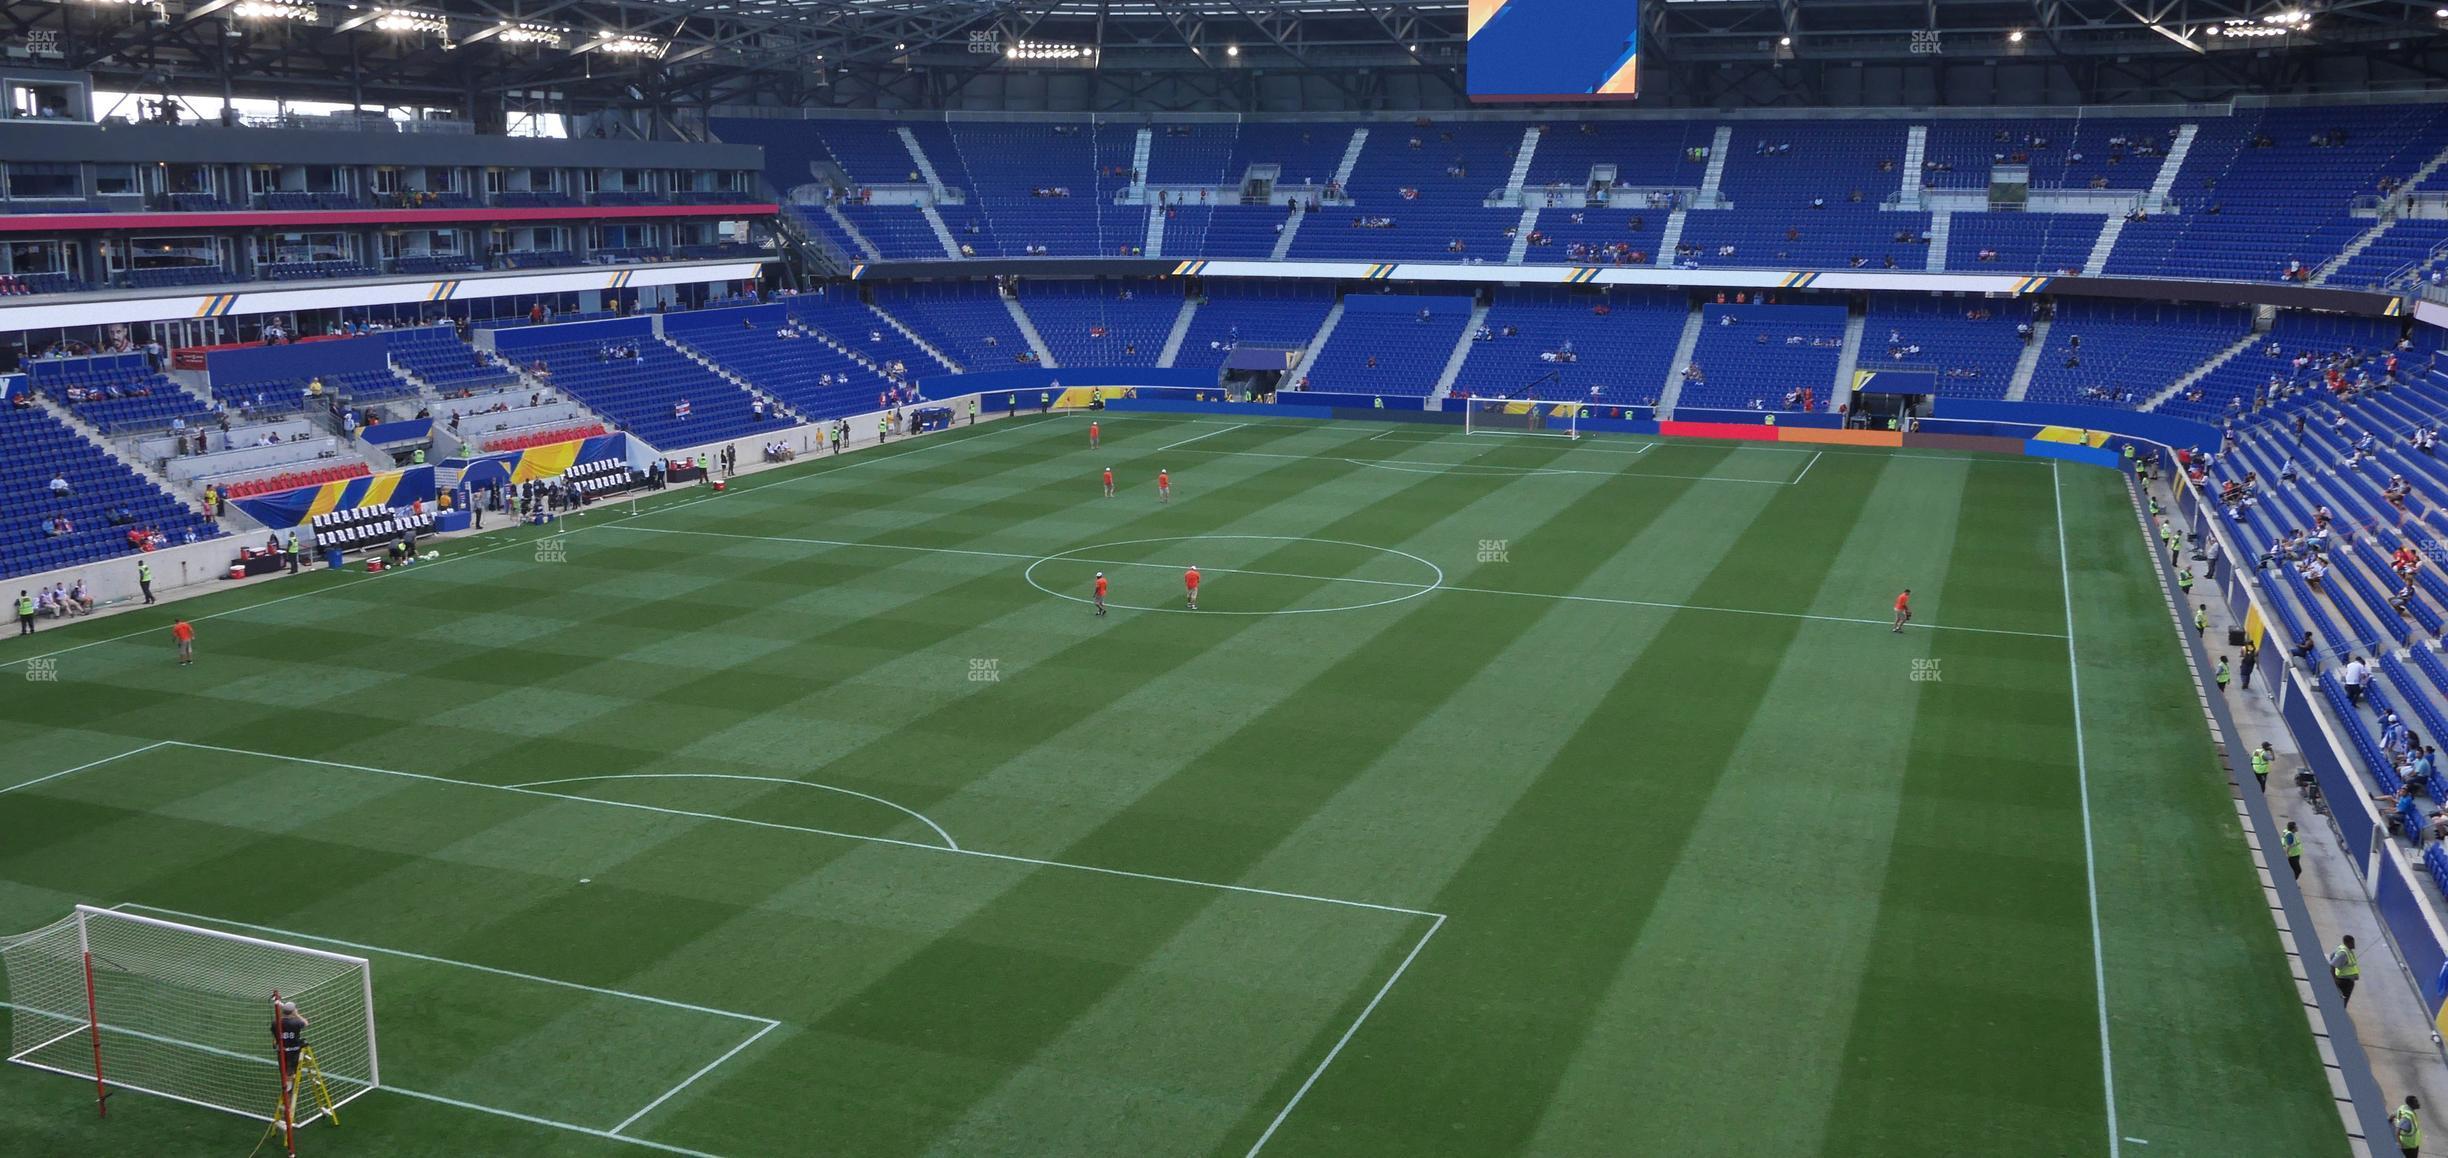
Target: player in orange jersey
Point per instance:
(1109, 482)
(1190, 580)
(1092, 436)
(1164, 486)
(1903, 609)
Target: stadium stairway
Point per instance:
(1668, 240)
(1916, 149)
(2164, 184)
(942, 232)
(918, 157)
(1142, 146)
(1942, 224)
(1461, 352)
(1521, 167)
(1155, 228)
(932, 351)
(2212, 363)
(689, 350)
(1179, 332)
(1351, 157)
(1840, 392)
(866, 247)
(2353, 250)
(1521, 235)
(1283, 240)
(124, 454)
(1326, 329)
(1684, 348)
(2104, 246)
(2028, 362)
(1028, 330)
(1713, 181)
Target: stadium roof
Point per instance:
(1211, 54)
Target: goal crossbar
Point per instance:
(188, 1013)
(1534, 418)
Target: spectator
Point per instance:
(2353, 677)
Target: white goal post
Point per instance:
(1518, 416)
(129, 1002)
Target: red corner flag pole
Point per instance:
(286, 1116)
(93, 1026)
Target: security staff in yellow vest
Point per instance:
(25, 614)
(973, 410)
(144, 579)
(290, 548)
(2290, 840)
(2344, 967)
(2406, 1123)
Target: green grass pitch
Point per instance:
(1507, 796)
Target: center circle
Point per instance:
(1084, 560)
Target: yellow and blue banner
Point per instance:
(397, 488)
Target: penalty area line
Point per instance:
(1352, 1031)
(1209, 434)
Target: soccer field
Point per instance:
(1506, 795)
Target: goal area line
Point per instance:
(765, 1025)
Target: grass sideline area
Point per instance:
(1507, 795)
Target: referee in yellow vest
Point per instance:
(2406, 1123)
(2344, 967)
(2290, 840)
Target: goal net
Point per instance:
(1516, 416)
(134, 1003)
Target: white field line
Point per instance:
(903, 809)
(1345, 1040)
(207, 919)
(1663, 606)
(716, 816)
(1022, 557)
(1487, 470)
(2082, 778)
(1209, 434)
(692, 1078)
(361, 577)
(1742, 611)
(1437, 919)
(1814, 461)
(1588, 443)
(532, 1120)
(81, 767)
(419, 1095)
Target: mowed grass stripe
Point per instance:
(1784, 871)
(344, 634)
(1206, 807)
(1983, 920)
(1583, 856)
(2213, 1052)
(897, 1009)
